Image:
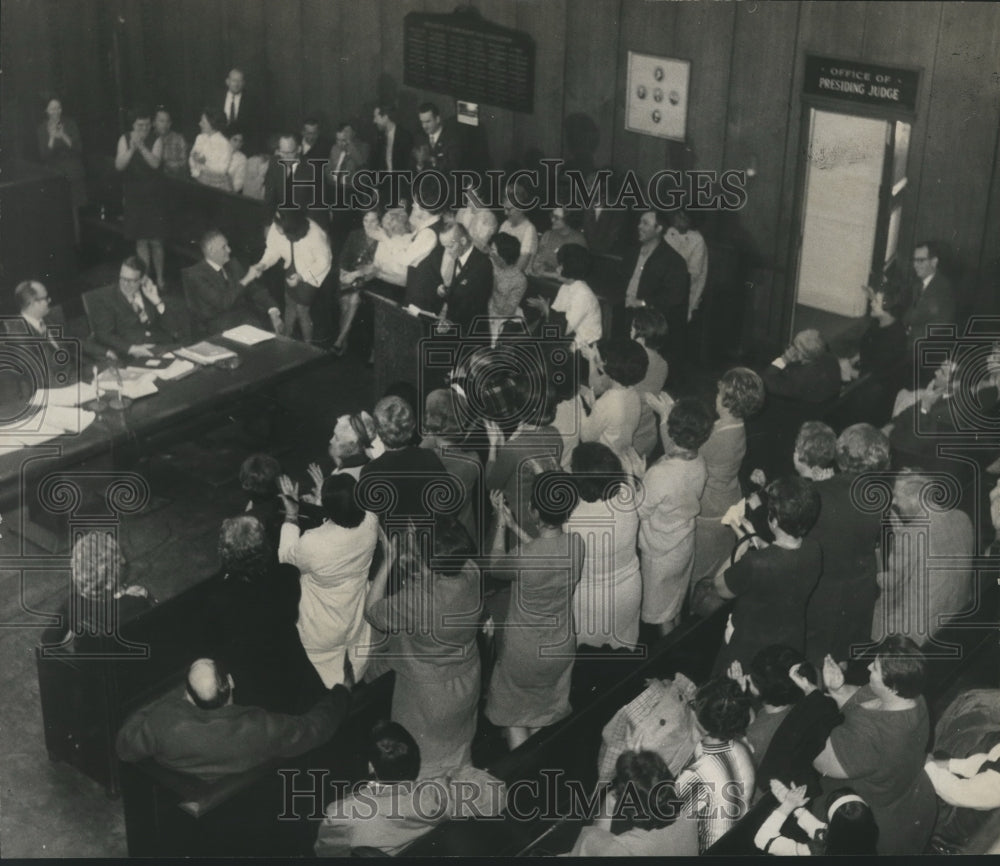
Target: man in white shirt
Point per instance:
(690, 243)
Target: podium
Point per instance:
(398, 336)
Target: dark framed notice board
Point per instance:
(467, 57)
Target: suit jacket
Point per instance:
(812, 383)
(217, 303)
(447, 152)
(402, 151)
(250, 118)
(664, 282)
(232, 739)
(604, 233)
(59, 369)
(470, 290)
(356, 158)
(933, 305)
(117, 326)
(320, 150)
(308, 192)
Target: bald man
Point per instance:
(806, 371)
(203, 732)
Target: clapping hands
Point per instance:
(790, 798)
(289, 492)
(833, 676)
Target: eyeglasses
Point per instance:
(125, 279)
(919, 259)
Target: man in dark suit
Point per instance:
(933, 300)
(131, 318)
(216, 298)
(308, 189)
(441, 138)
(603, 227)
(656, 276)
(467, 289)
(315, 145)
(241, 109)
(204, 733)
(394, 147)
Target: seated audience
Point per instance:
(842, 604)
(509, 284)
(614, 416)
(334, 560)
(216, 296)
(211, 152)
(237, 170)
(393, 808)
(916, 597)
(772, 582)
(879, 750)
(200, 730)
(739, 395)
(519, 226)
(173, 145)
(131, 318)
(640, 816)
(689, 242)
(357, 266)
(718, 785)
(529, 687)
(805, 371)
(429, 630)
(304, 249)
(251, 624)
(671, 489)
(575, 300)
(565, 230)
(850, 827)
(609, 594)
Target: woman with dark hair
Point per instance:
(529, 688)
(334, 560)
(772, 582)
(641, 815)
(608, 596)
(535, 446)
(259, 475)
(430, 627)
(139, 156)
(614, 415)
(304, 248)
(740, 395)
(59, 148)
(251, 623)
(211, 152)
(357, 267)
(850, 829)
(847, 592)
(237, 170)
(575, 300)
(671, 491)
(880, 748)
(719, 783)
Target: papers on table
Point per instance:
(46, 423)
(135, 382)
(248, 335)
(205, 353)
(177, 369)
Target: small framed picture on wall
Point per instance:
(657, 99)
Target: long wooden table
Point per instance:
(154, 420)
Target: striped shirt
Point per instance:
(717, 787)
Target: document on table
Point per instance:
(46, 423)
(135, 382)
(178, 368)
(248, 335)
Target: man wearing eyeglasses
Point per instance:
(933, 299)
(131, 318)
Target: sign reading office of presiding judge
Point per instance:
(463, 55)
(863, 83)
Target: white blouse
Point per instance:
(313, 259)
(216, 149)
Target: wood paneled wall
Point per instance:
(337, 57)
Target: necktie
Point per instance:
(232, 108)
